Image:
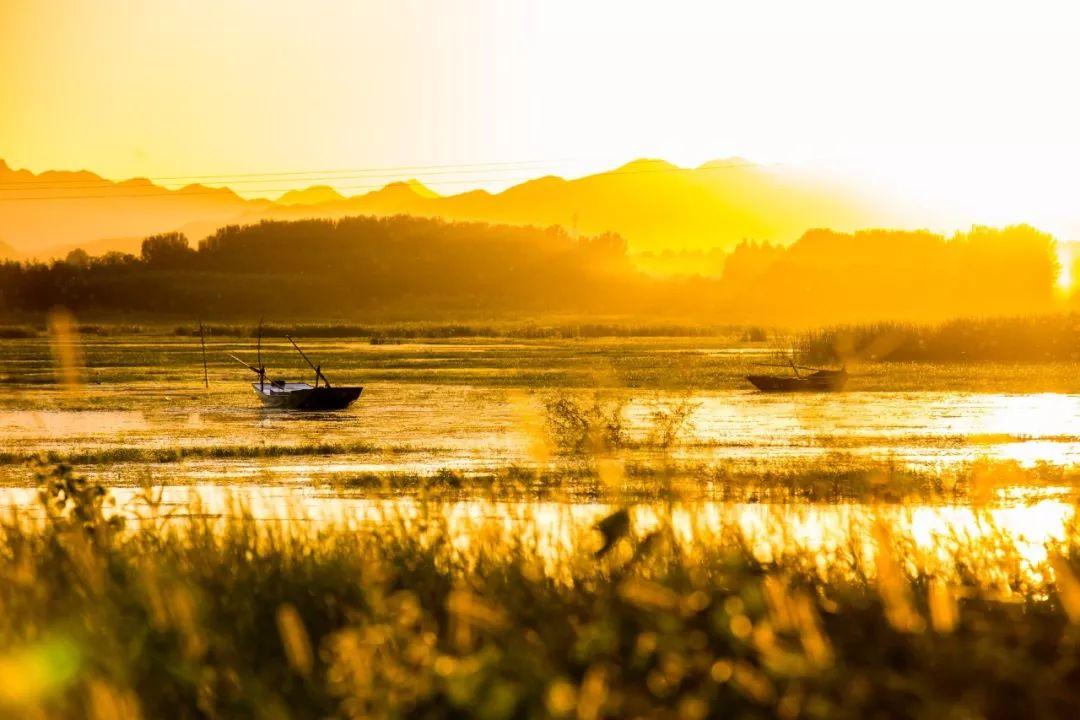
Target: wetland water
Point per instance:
(477, 406)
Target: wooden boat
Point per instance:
(283, 395)
(817, 380)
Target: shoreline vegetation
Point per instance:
(105, 617)
(1045, 338)
(1053, 337)
(403, 267)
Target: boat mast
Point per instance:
(316, 368)
(252, 368)
(262, 368)
(791, 361)
(202, 341)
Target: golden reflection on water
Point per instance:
(1030, 453)
(921, 428)
(460, 426)
(924, 429)
(34, 423)
(999, 543)
(1033, 415)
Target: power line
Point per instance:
(315, 175)
(161, 193)
(279, 179)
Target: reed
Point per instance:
(178, 453)
(195, 616)
(1036, 338)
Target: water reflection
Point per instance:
(999, 544)
(925, 429)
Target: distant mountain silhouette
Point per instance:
(653, 204)
(310, 196)
(7, 252)
(402, 196)
(49, 213)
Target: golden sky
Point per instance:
(968, 110)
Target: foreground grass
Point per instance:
(202, 617)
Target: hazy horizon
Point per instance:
(955, 115)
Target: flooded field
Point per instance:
(503, 524)
(460, 411)
(433, 405)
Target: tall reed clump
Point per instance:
(580, 424)
(585, 424)
(1036, 338)
(671, 420)
(448, 330)
(17, 332)
(199, 616)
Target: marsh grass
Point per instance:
(671, 421)
(540, 330)
(17, 332)
(179, 453)
(642, 365)
(831, 480)
(582, 424)
(200, 611)
(578, 424)
(230, 617)
(1037, 338)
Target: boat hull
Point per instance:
(818, 382)
(311, 398)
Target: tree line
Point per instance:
(406, 266)
(334, 267)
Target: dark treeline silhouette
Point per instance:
(827, 276)
(324, 267)
(427, 268)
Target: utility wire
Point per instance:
(161, 193)
(234, 178)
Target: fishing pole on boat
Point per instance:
(261, 372)
(283, 395)
(258, 349)
(202, 341)
(316, 368)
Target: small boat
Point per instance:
(303, 396)
(283, 395)
(817, 380)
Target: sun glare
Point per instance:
(1065, 278)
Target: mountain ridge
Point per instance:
(654, 204)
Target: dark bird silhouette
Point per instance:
(614, 527)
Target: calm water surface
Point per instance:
(477, 406)
(424, 427)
